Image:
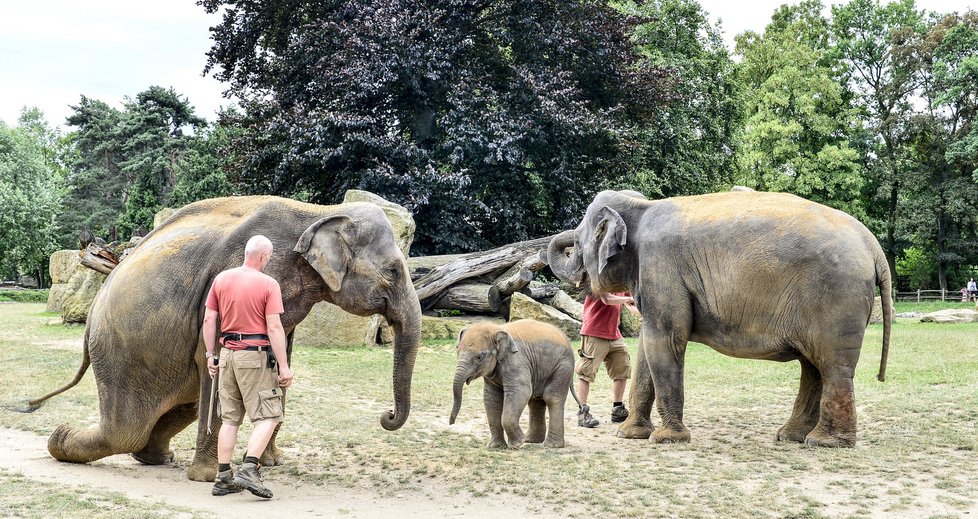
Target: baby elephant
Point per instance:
(523, 362)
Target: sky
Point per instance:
(54, 51)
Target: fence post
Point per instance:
(943, 291)
(918, 295)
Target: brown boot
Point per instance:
(249, 479)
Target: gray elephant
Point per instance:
(523, 363)
(143, 337)
(752, 275)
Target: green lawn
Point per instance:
(915, 456)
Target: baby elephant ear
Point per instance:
(505, 344)
(611, 236)
(458, 340)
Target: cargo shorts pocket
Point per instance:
(270, 403)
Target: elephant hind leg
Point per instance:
(837, 420)
(157, 449)
(81, 446)
(805, 414)
(537, 432)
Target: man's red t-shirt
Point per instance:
(243, 297)
(601, 320)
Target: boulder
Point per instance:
(163, 215)
(327, 324)
(877, 316)
(79, 293)
(631, 324)
(62, 265)
(441, 327)
(524, 307)
(567, 304)
(56, 295)
(951, 316)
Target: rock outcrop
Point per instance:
(525, 307)
(951, 316)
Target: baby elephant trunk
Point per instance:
(457, 391)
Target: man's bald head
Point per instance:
(257, 246)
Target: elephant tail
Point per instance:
(35, 404)
(886, 298)
(573, 393)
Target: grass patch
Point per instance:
(24, 497)
(24, 296)
(915, 456)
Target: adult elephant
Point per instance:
(143, 338)
(752, 275)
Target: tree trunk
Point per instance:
(98, 258)
(540, 291)
(475, 264)
(469, 297)
(519, 275)
(421, 266)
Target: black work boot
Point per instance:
(224, 484)
(584, 418)
(619, 413)
(249, 479)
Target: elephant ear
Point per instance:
(326, 246)
(504, 344)
(611, 235)
(458, 340)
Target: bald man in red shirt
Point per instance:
(249, 305)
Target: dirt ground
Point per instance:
(26, 453)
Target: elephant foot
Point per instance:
(665, 435)
(554, 443)
(634, 431)
(153, 457)
(788, 433)
(74, 446)
(272, 457)
(818, 438)
(516, 445)
(496, 444)
(535, 437)
(202, 472)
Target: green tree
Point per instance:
(208, 167)
(944, 194)
(799, 119)
(493, 120)
(875, 42)
(688, 146)
(30, 196)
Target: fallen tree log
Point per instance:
(469, 297)
(474, 264)
(420, 266)
(540, 291)
(519, 275)
(565, 303)
(98, 258)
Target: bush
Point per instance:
(24, 296)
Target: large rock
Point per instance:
(327, 324)
(631, 324)
(951, 316)
(79, 293)
(62, 265)
(441, 327)
(877, 316)
(56, 295)
(524, 307)
(163, 215)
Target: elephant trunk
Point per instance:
(407, 338)
(566, 268)
(457, 392)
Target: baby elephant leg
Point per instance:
(538, 422)
(513, 405)
(492, 396)
(555, 433)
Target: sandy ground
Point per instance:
(26, 453)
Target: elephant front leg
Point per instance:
(804, 416)
(492, 397)
(157, 449)
(538, 423)
(514, 402)
(204, 466)
(641, 398)
(666, 358)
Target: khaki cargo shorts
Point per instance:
(594, 351)
(249, 386)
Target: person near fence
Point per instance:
(248, 304)
(973, 289)
(601, 341)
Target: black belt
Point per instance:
(244, 336)
(251, 348)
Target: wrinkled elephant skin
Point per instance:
(752, 275)
(143, 336)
